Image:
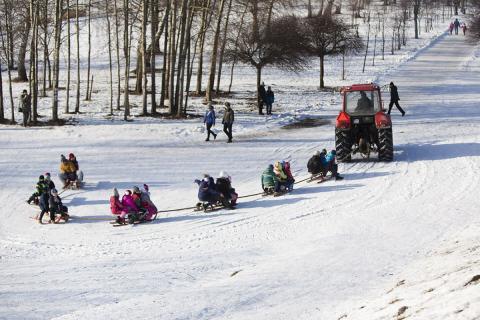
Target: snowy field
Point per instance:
(390, 235)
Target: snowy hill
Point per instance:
(326, 251)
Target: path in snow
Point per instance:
(307, 255)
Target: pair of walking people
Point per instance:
(227, 121)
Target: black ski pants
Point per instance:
(396, 105)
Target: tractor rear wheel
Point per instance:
(385, 145)
(343, 145)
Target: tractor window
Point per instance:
(362, 102)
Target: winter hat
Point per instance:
(128, 192)
(317, 153)
(54, 192)
(136, 189)
(210, 107)
(334, 152)
(71, 156)
(391, 83)
(145, 187)
(115, 193)
(41, 177)
(223, 174)
(270, 167)
(206, 175)
(227, 104)
(62, 158)
(324, 151)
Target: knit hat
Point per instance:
(317, 153)
(145, 187)
(54, 192)
(115, 193)
(41, 177)
(128, 192)
(227, 104)
(136, 189)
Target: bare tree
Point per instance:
(259, 47)
(89, 13)
(329, 36)
(56, 58)
(24, 35)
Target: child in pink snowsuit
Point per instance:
(116, 206)
(128, 203)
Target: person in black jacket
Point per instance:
(262, 98)
(56, 207)
(394, 98)
(42, 187)
(314, 165)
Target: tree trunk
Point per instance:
(5, 47)
(416, 8)
(56, 57)
(77, 28)
(110, 60)
(172, 60)
(2, 112)
(87, 95)
(67, 102)
(34, 13)
(22, 51)
(181, 57)
(144, 55)
(202, 34)
(309, 8)
(126, 52)
(213, 60)
(366, 47)
(45, 48)
(154, 16)
(165, 48)
(222, 49)
(117, 50)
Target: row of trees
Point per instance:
(187, 34)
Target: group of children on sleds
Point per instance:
(217, 193)
(135, 206)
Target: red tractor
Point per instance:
(363, 126)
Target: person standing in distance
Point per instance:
(394, 98)
(228, 118)
(270, 100)
(25, 107)
(209, 121)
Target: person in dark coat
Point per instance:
(43, 202)
(224, 186)
(207, 191)
(42, 187)
(228, 118)
(394, 98)
(262, 98)
(456, 23)
(314, 165)
(209, 121)
(25, 107)
(56, 206)
(270, 99)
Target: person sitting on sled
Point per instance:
(41, 187)
(57, 207)
(269, 180)
(281, 175)
(147, 203)
(290, 180)
(116, 206)
(207, 192)
(129, 206)
(68, 172)
(329, 164)
(314, 164)
(224, 186)
(146, 207)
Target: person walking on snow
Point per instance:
(209, 121)
(25, 107)
(450, 27)
(394, 98)
(270, 99)
(464, 28)
(457, 24)
(228, 118)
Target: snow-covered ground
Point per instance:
(323, 252)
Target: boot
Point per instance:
(338, 177)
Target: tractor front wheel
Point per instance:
(385, 145)
(343, 145)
